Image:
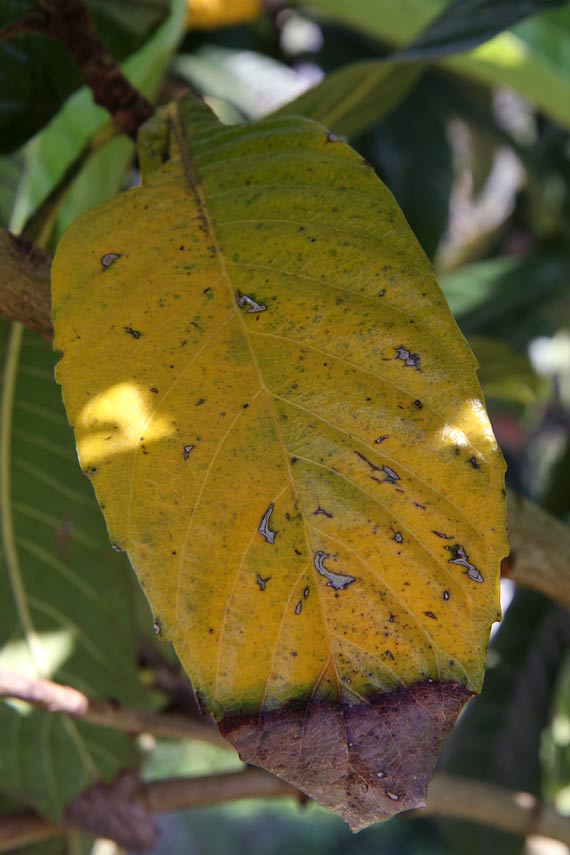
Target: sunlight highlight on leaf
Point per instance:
(116, 420)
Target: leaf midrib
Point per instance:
(194, 185)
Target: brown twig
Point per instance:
(174, 794)
(23, 828)
(63, 699)
(25, 283)
(540, 550)
(70, 23)
(515, 812)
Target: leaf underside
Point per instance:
(285, 431)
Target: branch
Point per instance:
(515, 812)
(173, 794)
(25, 283)
(69, 22)
(63, 699)
(540, 550)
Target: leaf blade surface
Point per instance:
(251, 372)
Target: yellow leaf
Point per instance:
(284, 428)
(210, 14)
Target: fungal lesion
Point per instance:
(131, 331)
(410, 360)
(391, 475)
(186, 451)
(264, 527)
(109, 258)
(248, 303)
(262, 582)
(459, 557)
(322, 512)
(338, 581)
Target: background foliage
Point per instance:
(464, 111)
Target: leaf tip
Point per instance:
(366, 760)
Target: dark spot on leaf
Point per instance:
(262, 582)
(186, 451)
(131, 331)
(252, 306)
(154, 390)
(321, 511)
(459, 557)
(369, 462)
(108, 259)
(411, 360)
(264, 528)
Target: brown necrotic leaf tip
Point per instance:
(365, 761)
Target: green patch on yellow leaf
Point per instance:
(285, 431)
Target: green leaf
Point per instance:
(526, 58)
(504, 373)
(410, 151)
(37, 74)
(57, 146)
(10, 175)
(66, 602)
(286, 432)
(251, 82)
(352, 99)
(464, 24)
(512, 299)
